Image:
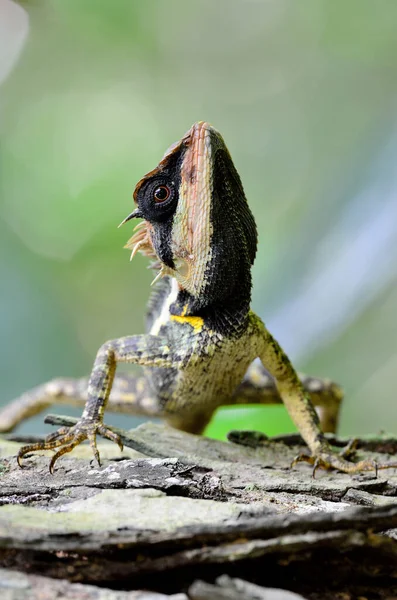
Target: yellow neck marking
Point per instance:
(196, 322)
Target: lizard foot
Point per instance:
(326, 459)
(67, 438)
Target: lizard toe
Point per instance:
(67, 438)
(329, 460)
(110, 435)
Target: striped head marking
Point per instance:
(196, 219)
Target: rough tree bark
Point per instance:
(179, 514)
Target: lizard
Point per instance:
(204, 346)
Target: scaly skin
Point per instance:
(202, 336)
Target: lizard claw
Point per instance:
(67, 438)
(328, 460)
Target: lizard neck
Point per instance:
(227, 315)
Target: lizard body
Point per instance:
(202, 335)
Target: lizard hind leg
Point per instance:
(130, 395)
(34, 401)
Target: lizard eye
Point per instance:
(161, 194)
(157, 199)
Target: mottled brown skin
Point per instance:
(202, 337)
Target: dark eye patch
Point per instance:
(158, 196)
(157, 199)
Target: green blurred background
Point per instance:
(305, 95)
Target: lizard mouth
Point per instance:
(141, 240)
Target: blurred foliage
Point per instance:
(305, 96)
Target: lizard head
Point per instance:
(197, 222)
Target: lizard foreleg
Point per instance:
(302, 411)
(144, 350)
